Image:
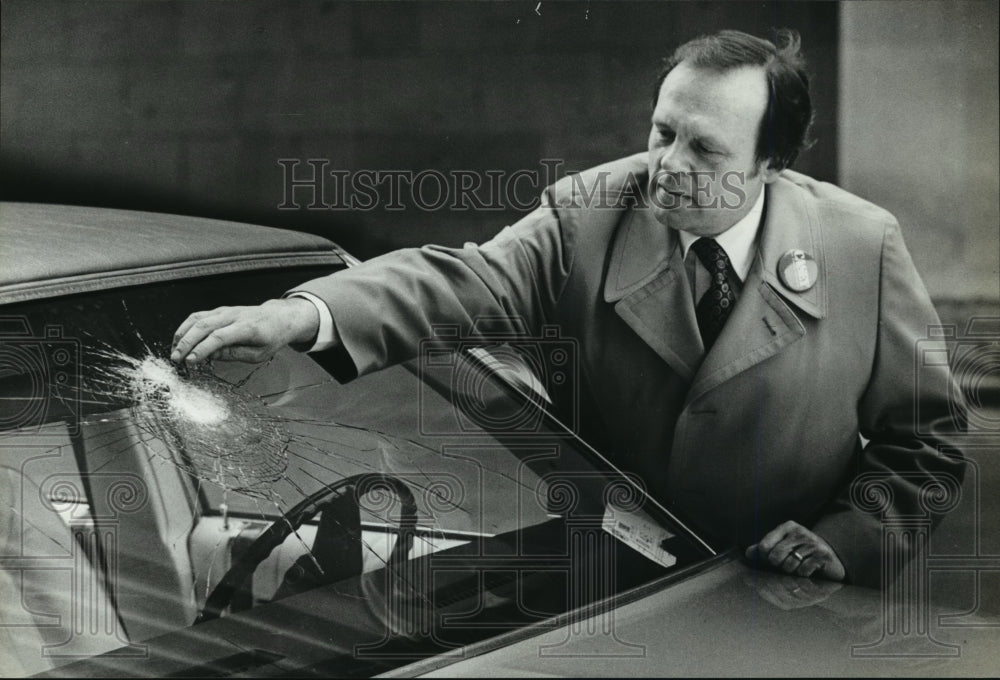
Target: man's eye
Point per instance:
(667, 135)
(701, 148)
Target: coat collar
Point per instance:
(649, 287)
(643, 248)
(790, 222)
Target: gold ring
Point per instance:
(796, 555)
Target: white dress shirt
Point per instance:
(324, 335)
(739, 243)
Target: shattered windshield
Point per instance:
(268, 517)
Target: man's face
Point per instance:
(703, 175)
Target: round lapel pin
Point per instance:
(797, 270)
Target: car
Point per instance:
(438, 517)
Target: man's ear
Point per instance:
(768, 172)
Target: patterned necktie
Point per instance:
(717, 303)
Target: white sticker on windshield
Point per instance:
(639, 532)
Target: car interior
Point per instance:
(146, 504)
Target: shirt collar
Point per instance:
(737, 241)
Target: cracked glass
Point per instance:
(164, 519)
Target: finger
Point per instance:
(196, 327)
(792, 562)
(811, 565)
(796, 559)
(197, 333)
(215, 340)
(799, 556)
(832, 568)
(776, 535)
(784, 555)
(186, 326)
(218, 317)
(820, 560)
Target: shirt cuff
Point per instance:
(324, 336)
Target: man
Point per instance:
(739, 324)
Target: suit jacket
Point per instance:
(762, 429)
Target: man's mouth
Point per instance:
(669, 195)
(665, 187)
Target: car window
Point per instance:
(430, 503)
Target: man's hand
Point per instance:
(796, 550)
(250, 334)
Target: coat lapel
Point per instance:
(649, 288)
(763, 323)
(647, 284)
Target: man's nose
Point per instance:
(673, 160)
(674, 168)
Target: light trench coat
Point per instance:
(762, 429)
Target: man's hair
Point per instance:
(784, 128)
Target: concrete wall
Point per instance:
(186, 106)
(919, 134)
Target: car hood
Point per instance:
(734, 621)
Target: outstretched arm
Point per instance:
(383, 308)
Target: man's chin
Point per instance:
(681, 220)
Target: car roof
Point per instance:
(53, 250)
